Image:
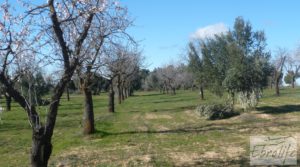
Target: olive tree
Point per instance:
(237, 61)
(196, 65)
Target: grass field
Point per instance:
(151, 129)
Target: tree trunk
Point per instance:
(278, 77)
(201, 92)
(119, 96)
(293, 82)
(271, 86)
(8, 102)
(119, 90)
(131, 92)
(126, 93)
(41, 148)
(111, 99)
(277, 88)
(232, 98)
(88, 115)
(68, 94)
(122, 93)
(174, 91)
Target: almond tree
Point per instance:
(111, 25)
(168, 75)
(121, 63)
(130, 70)
(56, 31)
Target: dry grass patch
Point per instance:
(152, 116)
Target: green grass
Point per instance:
(151, 129)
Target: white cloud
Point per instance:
(209, 31)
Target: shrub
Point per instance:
(216, 111)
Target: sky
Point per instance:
(164, 27)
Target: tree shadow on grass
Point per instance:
(201, 129)
(179, 109)
(279, 109)
(146, 95)
(222, 128)
(183, 130)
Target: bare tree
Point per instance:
(110, 25)
(56, 31)
(184, 79)
(293, 67)
(167, 76)
(281, 55)
(121, 63)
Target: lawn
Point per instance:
(152, 129)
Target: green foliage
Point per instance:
(41, 86)
(292, 76)
(216, 111)
(139, 79)
(196, 65)
(288, 79)
(216, 61)
(99, 83)
(237, 61)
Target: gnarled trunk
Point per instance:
(41, 148)
(88, 113)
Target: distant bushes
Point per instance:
(216, 111)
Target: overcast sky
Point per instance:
(164, 27)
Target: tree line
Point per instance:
(81, 43)
(86, 47)
(236, 63)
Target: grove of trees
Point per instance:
(68, 35)
(86, 46)
(236, 63)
